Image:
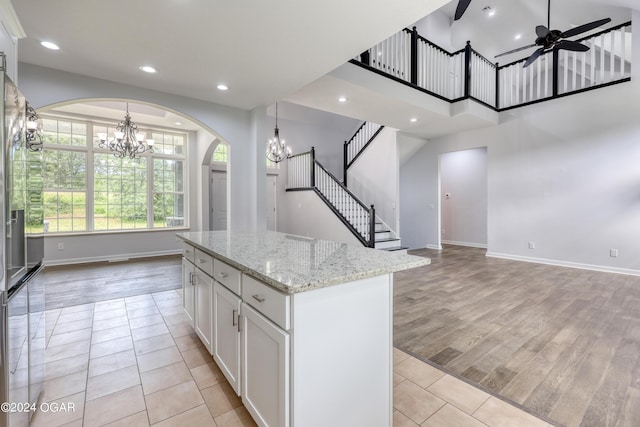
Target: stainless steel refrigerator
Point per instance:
(22, 324)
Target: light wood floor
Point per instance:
(564, 343)
(86, 283)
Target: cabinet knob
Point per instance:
(258, 298)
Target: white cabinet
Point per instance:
(265, 369)
(188, 288)
(226, 334)
(204, 308)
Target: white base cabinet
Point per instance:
(188, 289)
(204, 308)
(265, 369)
(226, 334)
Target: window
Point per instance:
(88, 189)
(221, 154)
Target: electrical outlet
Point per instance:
(532, 245)
(613, 253)
(61, 246)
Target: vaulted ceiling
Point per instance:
(263, 51)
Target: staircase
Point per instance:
(306, 173)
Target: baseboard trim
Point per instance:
(435, 247)
(467, 244)
(592, 267)
(110, 258)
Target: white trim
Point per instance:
(435, 247)
(569, 264)
(468, 244)
(10, 19)
(112, 258)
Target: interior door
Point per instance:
(218, 200)
(272, 186)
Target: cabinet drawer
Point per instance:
(204, 262)
(273, 304)
(188, 251)
(227, 275)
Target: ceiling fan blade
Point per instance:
(462, 6)
(533, 57)
(584, 28)
(516, 50)
(542, 31)
(571, 45)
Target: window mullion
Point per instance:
(150, 183)
(89, 205)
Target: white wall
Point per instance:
(374, 177)
(243, 130)
(309, 216)
(436, 27)
(563, 174)
(10, 32)
(463, 196)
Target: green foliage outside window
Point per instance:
(118, 196)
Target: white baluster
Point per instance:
(602, 59)
(612, 56)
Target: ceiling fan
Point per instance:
(462, 7)
(554, 39)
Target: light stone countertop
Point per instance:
(295, 264)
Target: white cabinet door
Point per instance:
(188, 288)
(204, 307)
(265, 369)
(226, 334)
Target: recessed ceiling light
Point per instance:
(178, 123)
(343, 99)
(50, 45)
(148, 69)
(222, 86)
(517, 36)
(413, 119)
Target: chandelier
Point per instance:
(277, 150)
(126, 141)
(33, 134)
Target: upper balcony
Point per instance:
(407, 74)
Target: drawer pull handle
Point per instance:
(258, 298)
(202, 261)
(223, 275)
(233, 317)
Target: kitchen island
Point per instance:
(301, 328)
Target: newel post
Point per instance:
(313, 167)
(345, 162)
(414, 56)
(497, 86)
(372, 227)
(467, 70)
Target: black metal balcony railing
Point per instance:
(411, 59)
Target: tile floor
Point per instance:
(136, 362)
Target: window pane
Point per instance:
(121, 192)
(120, 198)
(168, 202)
(64, 202)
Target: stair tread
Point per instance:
(394, 248)
(391, 239)
(383, 231)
